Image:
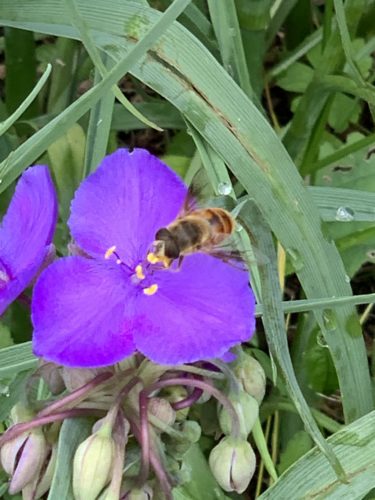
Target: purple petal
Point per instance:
(123, 203)
(78, 312)
(26, 232)
(197, 313)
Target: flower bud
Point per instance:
(247, 410)
(51, 374)
(232, 462)
(42, 482)
(74, 378)
(46, 477)
(92, 464)
(191, 433)
(23, 457)
(144, 493)
(251, 375)
(162, 410)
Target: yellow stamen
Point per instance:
(110, 251)
(139, 272)
(152, 258)
(151, 289)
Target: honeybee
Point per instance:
(194, 230)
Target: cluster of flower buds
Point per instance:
(146, 420)
(233, 461)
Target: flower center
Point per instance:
(140, 275)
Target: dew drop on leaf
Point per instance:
(344, 214)
(224, 188)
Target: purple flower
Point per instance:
(94, 311)
(26, 232)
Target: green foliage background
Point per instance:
(275, 96)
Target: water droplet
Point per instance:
(239, 228)
(4, 391)
(296, 259)
(344, 214)
(371, 255)
(1, 180)
(347, 278)
(329, 319)
(99, 122)
(320, 340)
(224, 188)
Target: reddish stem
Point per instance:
(156, 465)
(77, 394)
(189, 401)
(18, 429)
(205, 386)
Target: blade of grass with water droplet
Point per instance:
(328, 200)
(274, 324)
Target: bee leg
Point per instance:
(180, 259)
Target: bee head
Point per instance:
(165, 245)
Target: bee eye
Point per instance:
(163, 234)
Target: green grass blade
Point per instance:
(21, 70)
(14, 395)
(6, 124)
(341, 153)
(274, 324)
(98, 130)
(355, 448)
(63, 75)
(360, 203)
(29, 151)
(16, 359)
(72, 433)
(161, 112)
(85, 36)
(228, 34)
(346, 42)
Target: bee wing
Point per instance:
(228, 252)
(201, 194)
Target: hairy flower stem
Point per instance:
(199, 371)
(18, 429)
(76, 395)
(189, 401)
(144, 436)
(205, 386)
(156, 464)
(120, 435)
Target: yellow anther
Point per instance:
(110, 251)
(139, 272)
(151, 289)
(152, 258)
